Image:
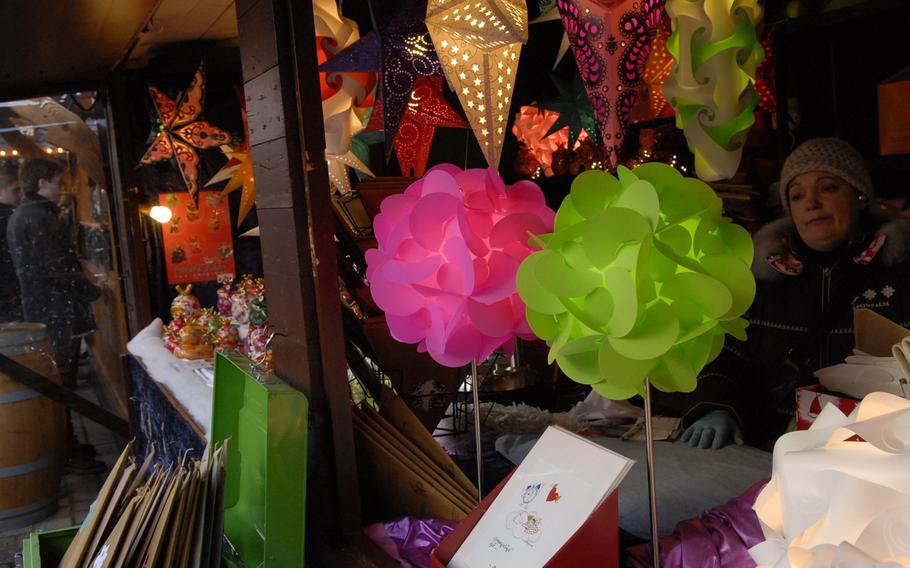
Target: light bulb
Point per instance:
(160, 213)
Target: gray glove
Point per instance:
(714, 430)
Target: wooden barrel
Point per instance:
(32, 431)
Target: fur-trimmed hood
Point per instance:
(773, 238)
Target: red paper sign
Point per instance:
(197, 240)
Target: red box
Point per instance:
(812, 399)
(596, 543)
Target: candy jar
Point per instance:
(192, 342)
(256, 342)
(185, 305)
(226, 337)
(224, 295)
(171, 332)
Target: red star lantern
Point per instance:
(180, 134)
(427, 110)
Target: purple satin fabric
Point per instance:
(719, 538)
(408, 540)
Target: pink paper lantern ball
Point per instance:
(448, 253)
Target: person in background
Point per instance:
(54, 289)
(836, 249)
(10, 197)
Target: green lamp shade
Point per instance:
(641, 277)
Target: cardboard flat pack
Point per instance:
(873, 334)
(894, 114)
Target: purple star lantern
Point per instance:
(400, 49)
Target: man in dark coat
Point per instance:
(54, 289)
(10, 197)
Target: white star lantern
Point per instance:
(478, 43)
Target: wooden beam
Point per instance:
(277, 46)
(125, 196)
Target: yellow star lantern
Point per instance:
(239, 168)
(239, 172)
(478, 43)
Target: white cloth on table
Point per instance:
(185, 379)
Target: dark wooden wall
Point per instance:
(277, 44)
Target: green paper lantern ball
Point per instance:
(641, 278)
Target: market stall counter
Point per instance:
(171, 400)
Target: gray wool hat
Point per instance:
(831, 155)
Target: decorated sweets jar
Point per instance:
(225, 292)
(240, 305)
(193, 342)
(185, 306)
(256, 343)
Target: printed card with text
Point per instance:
(548, 498)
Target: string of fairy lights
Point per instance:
(15, 154)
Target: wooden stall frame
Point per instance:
(284, 106)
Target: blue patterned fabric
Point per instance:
(156, 423)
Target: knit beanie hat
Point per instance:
(831, 155)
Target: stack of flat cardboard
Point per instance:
(403, 469)
(151, 516)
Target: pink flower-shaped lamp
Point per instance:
(449, 251)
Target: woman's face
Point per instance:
(825, 209)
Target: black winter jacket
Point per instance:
(794, 285)
(10, 301)
(54, 289)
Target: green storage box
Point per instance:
(265, 491)
(46, 548)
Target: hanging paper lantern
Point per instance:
(346, 96)
(717, 53)
(427, 110)
(532, 128)
(400, 49)
(641, 277)
(478, 43)
(181, 133)
(653, 104)
(764, 83)
(238, 170)
(448, 251)
(611, 41)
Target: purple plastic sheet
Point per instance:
(408, 540)
(720, 537)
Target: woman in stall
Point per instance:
(836, 249)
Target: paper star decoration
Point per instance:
(239, 168)
(611, 41)
(551, 15)
(180, 134)
(400, 49)
(346, 96)
(479, 43)
(427, 110)
(574, 108)
(338, 165)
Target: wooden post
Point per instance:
(125, 198)
(277, 44)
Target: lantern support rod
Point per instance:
(475, 391)
(652, 486)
